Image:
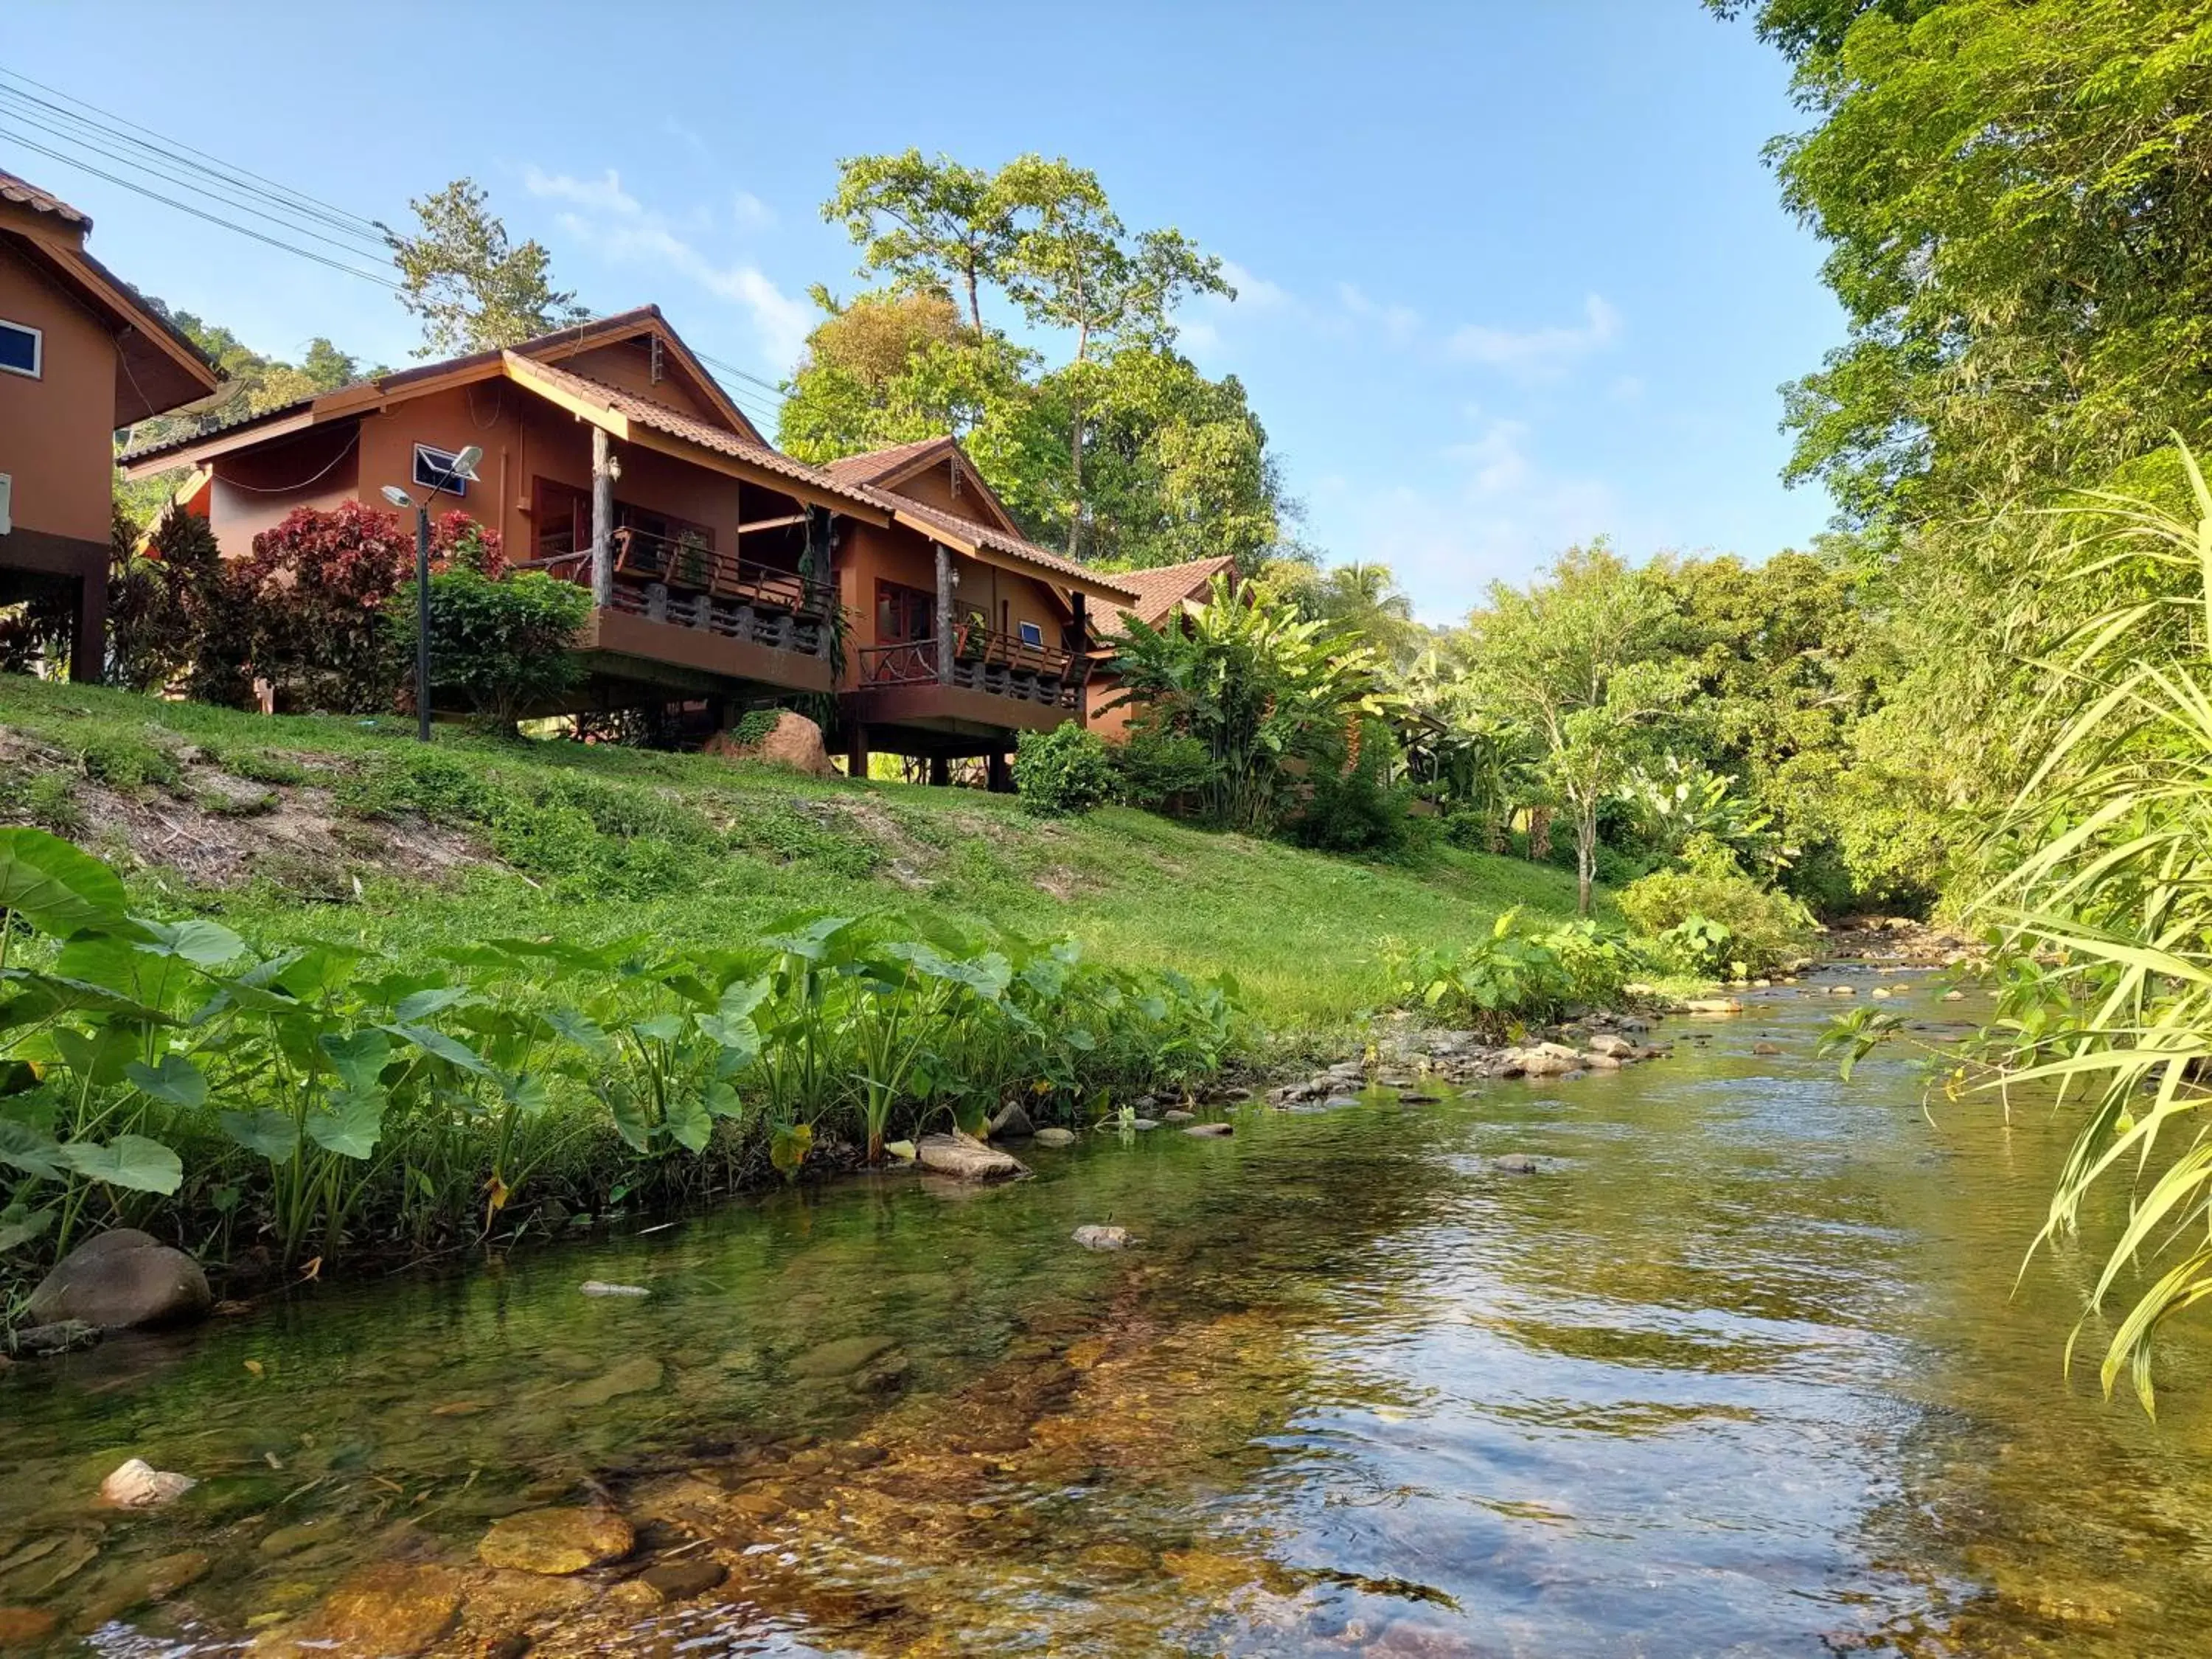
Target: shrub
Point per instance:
(415, 780)
(1063, 771)
(1765, 930)
(1512, 977)
(504, 647)
(1158, 769)
(162, 604)
(1352, 812)
(125, 761)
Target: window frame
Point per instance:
(447, 484)
(1031, 633)
(37, 371)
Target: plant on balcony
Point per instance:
(694, 561)
(503, 647)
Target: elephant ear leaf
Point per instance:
(30, 1150)
(55, 887)
(176, 1081)
(351, 1125)
(131, 1162)
(272, 1134)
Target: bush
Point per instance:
(1765, 930)
(504, 647)
(1159, 768)
(1515, 977)
(1352, 812)
(1066, 770)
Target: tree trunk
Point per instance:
(974, 305)
(1585, 856)
(1075, 509)
(1539, 833)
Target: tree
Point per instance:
(1577, 658)
(926, 225)
(473, 290)
(2015, 193)
(1364, 599)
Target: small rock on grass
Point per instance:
(557, 1541)
(1102, 1238)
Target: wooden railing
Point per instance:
(666, 580)
(983, 660)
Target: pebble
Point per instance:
(596, 1287)
(137, 1484)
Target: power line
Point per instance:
(338, 217)
(198, 213)
(186, 183)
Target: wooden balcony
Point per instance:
(996, 683)
(676, 606)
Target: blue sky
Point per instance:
(1512, 275)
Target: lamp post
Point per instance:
(463, 467)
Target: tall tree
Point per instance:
(473, 289)
(1578, 658)
(926, 225)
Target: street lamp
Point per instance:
(463, 467)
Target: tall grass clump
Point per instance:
(2102, 888)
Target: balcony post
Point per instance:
(603, 520)
(1078, 643)
(943, 613)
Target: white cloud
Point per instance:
(623, 230)
(1255, 291)
(751, 213)
(1538, 352)
(1492, 510)
(1399, 323)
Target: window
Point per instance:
(23, 349)
(1032, 634)
(433, 470)
(559, 520)
(904, 614)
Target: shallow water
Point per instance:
(1737, 1375)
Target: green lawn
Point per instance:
(330, 829)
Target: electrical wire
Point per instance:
(337, 217)
(198, 213)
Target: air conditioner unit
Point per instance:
(7, 496)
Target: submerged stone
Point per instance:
(557, 1541)
(839, 1358)
(1211, 1131)
(1056, 1137)
(636, 1376)
(389, 1611)
(679, 1581)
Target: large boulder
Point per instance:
(968, 1158)
(122, 1278)
(793, 741)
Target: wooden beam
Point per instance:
(783, 523)
(946, 581)
(603, 520)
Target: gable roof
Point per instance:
(476, 365)
(24, 193)
(887, 469)
(157, 367)
(1163, 589)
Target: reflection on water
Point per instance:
(1737, 1375)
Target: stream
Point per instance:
(1740, 1372)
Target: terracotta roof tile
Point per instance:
(27, 194)
(875, 464)
(1162, 588)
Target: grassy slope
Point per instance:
(714, 850)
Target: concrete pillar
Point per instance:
(940, 770)
(88, 639)
(856, 751)
(1001, 774)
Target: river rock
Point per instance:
(639, 1375)
(679, 1581)
(25, 1627)
(1766, 1047)
(968, 1158)
(1012, 1123)
(392, 1610)
(1608, 1043)
(1955, 996)
(137, 1484)
(120, 1280)
(1517, 1164)
(1536, 1062)
(1598, 1062)
(841, 1357)
(1342, 1100)
(1178, 1115)
(1211, 1130)
(557, 1541)
(138, 1582)
(1094, 1237)
(1056, 1136)
(600, 1287)
(1713, 1006)
(42, 1341)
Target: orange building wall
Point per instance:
(57, 432)
(867, 554)
(629, 364)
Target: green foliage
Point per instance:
(753, 726)
(1157, 769)
(323, 1097)
(1763, 931)
(501, 645)
(1063, 771)
(473, 290)
(1258, 686)
(1517, 974)
(1355, 810)
(126, 761)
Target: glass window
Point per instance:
(1032, 634)
(23, 349)
(433, 470)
